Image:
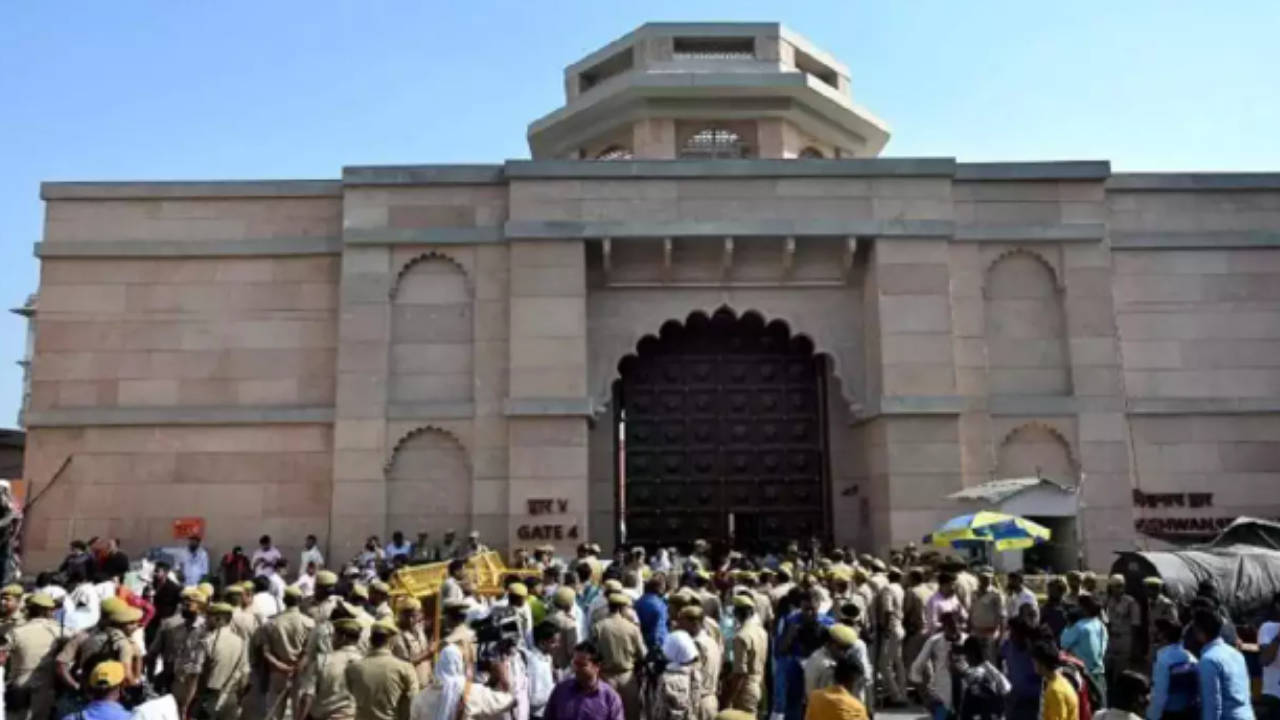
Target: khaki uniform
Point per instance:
(711, 606)
(675, 695)
(1162, 608)
(326, 683)
(986, 617)
(710, 660)
(245, 623)
(750, 653)
(171, 645)
(383, 686)
(764, 608)
(285, 637)
(966, 588)
(410, 645)
(321, 611)
(1125, 615)
(94, 643)
(218, 666)
(30, 666)
(712, 628)
(892, 669)
(915, 606)
(563, 656)
(621, 650)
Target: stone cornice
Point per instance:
(1192, 182)
(195, 190)
(251, 247)
(118, 416)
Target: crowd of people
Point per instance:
(708, 634)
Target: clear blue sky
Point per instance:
(175, 89)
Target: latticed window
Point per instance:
(714, 49)
(714, 144)
(615, 152)
(812, 153)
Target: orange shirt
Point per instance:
(834, 703)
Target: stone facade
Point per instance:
(431, 347)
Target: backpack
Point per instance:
(980, 696)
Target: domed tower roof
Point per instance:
(707, 91)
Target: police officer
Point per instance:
(244, 622)
(382, 684)
(108, 641)
(29, 679)
(215, 669)
(750, 653)
(1124, 617)
(325, 600)
(380, 601)
(285, 643)
(561, 616)
(987, 609)
(1159, 607)
(621, 650)
(10, 609)
(710, 657)
(411, 644)
(323, 694)
(171, 639)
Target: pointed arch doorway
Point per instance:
(721, 434)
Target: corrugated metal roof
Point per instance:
(999, 490)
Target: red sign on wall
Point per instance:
(185, 528)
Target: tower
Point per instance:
(707, 91)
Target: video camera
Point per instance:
(498, 633)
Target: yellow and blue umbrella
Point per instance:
(1002, 532)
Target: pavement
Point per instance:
(902, 714)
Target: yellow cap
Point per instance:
(1153, 582)
(410, 603)
(842, 635)
(380, 587)
(348, 625)
(107, 675)
(564, 598)
(1089, 575)
(384, 627)
(293, 591)
(325, 578)
(518, 590)
(1075, 575)
(860, 575)
(125, 615)
(1116, 581)
(612, 586)
(206, 589)
(360, 591)
(692, 612)
(12, 591)
(112, 605)
(41, 600)
(192, 594)
(743, 601)
(233, 591)
(220, 608)
(620, 600)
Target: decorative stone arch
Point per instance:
(429, 483)
(417, 432)
(812, 153)
(429, 256)
(611, 373)
(1049, 264)
(615, 152)
(1043, 430)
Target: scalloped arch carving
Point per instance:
(428, 483)
(626, 347)
(1015, 252)
(1033, 446)
(428, 256)
(417, 432)
(1025, 327)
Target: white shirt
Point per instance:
(306, 585)
(277, 586)
(483, 703)
(265, 605)
(195, 565)
(394, 550)
(1017, 600)
(264, 560)
(1270, 673)
(310, 556)
(542, 680)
